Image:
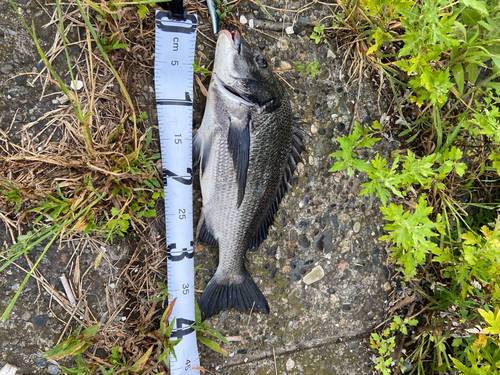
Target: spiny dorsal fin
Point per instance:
(294, 157)
(239, 146)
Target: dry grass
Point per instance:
(52, 160)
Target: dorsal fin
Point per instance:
(239, 145)
(294, 157)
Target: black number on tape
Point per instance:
(178, 257)
(183, 180)
(180, 330)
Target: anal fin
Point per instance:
(204, 234)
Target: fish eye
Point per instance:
(261, 61)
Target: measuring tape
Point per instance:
(174, 56)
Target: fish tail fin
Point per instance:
(242, 295)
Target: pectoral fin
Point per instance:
(202, 143)
(239, 146)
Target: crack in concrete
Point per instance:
(239, 359)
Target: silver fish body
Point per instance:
(248, 148)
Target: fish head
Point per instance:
(243, 75)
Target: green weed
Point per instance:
(318, 34)
(12, 194)
(199, 69)
(116, 363)
(447, 54)
(223, 10)
(204, 331)
(385, 342)
(310, 68)
(111, 43)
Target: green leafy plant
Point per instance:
(111, 43)
(74, 345)
(348, 158)
(116, 363)
(223, 9)
(12, 195)
(385, 342)
(199, 69)
(164, 333)
(442, 225)
(318, 34)
(310, 68)
(203, 331)
(481, 353)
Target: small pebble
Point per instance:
(26, 316)
(290, 364)
(357, 227)
(40, 362)
(368, 305)
(223, 316)
(314, 129)
(295, 273)
(15, 287)
(40, 320)
(250, 22)
(316, 274)
(353, 345)
(285, 65)
(76, 85)
(53, 369)
(40, 65)
(289, 30)
(243, 20)
(302, 21)
(408, 367)
(346, 307)
(6, 69)
(304, 241)
(21, 80)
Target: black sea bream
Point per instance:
(248, 148)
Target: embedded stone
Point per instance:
(316, 274)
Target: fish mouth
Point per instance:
(234, 37)
(231, 92)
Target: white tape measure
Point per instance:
(174, 56)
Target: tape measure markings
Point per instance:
(174, 49)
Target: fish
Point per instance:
(248, 147)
